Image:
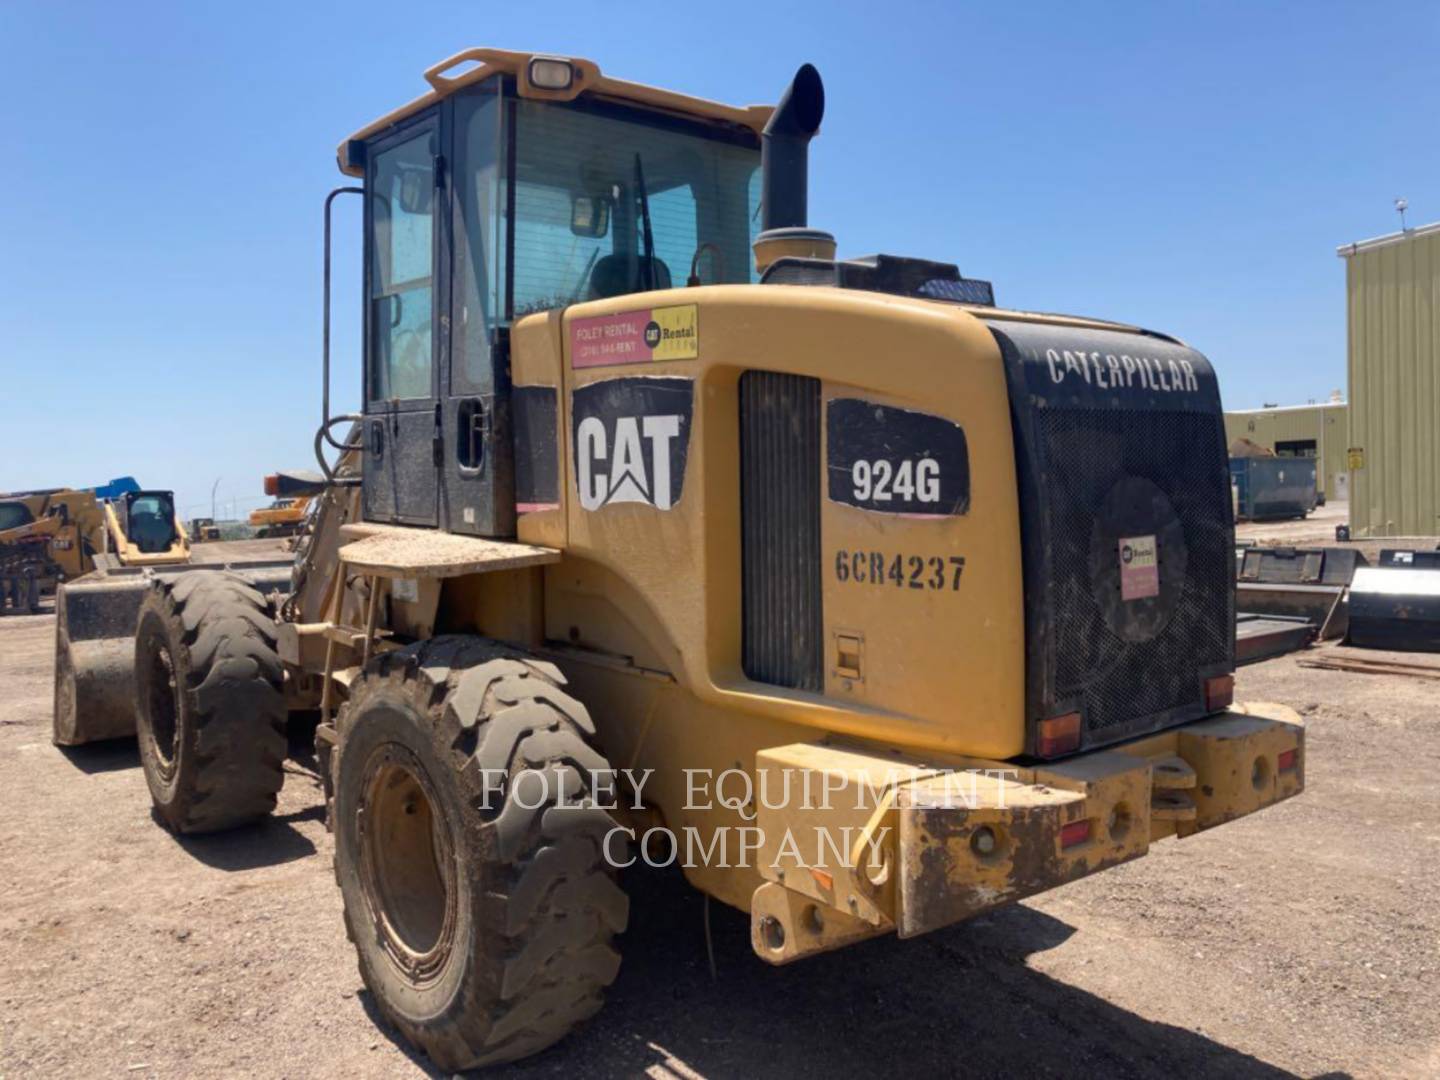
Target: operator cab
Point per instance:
(148, 520)
(524, 185)
(14, 514)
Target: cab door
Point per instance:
(402, 415)
(476, 488)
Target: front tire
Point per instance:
(209, 707)
(482, 912)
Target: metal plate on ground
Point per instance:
(1261, 637)
(1393, 608)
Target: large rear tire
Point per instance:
(482, 913)
(209, 706)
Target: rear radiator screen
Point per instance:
(1084, 453)
(780, 530)
(1125, 526)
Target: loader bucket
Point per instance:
(95, 621)
(95, 658)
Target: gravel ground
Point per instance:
(1302, 941)
(1316, 529)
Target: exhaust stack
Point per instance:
(784, 174)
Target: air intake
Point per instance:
(780, 530)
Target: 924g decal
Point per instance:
(938, 573)
(895, 461)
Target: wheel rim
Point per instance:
(163, 709)
(407, 870)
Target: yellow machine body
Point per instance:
(72, 525)
(921, 715)
(924, 668)
(664, 586)
(128, 553)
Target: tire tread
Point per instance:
(237, 704)
(552, 906)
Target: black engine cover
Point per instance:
(1126, 526)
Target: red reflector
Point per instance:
(1058, 735)
(1077, 832)
(272, 485)
(1287, 760)
(1219, 692)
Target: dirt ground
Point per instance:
(219, 551)
(1316, 529)
(1302, 941)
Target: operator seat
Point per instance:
(151, 533)
(612, 276)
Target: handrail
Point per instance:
(326, 420)
(325, 345)
(323, 436)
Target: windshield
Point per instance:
(697, 191)
(577, 205)
(151, 524)
(151, 505)
(13, 515)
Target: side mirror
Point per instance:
(590, 215)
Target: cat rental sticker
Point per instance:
(636, 337)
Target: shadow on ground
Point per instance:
(269, 842)
(103, 757)
(957, 1002)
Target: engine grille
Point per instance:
(1123, 686)
(783, 628)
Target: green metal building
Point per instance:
(1392, 287)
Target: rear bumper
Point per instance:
(907, 848)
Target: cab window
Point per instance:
(586, 175)
(13, 515)
(402, 202)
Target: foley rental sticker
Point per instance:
(636, 337)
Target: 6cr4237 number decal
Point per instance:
(936, 572)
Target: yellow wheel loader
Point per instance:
(666, 535)
(46, 537)
(27, 556)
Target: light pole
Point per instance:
(213, 488)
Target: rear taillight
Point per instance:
(1058, 735)
(1077, 832)
(1219, 692)
(1287, 760)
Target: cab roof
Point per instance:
(474, 65)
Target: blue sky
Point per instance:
(1188, 167)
